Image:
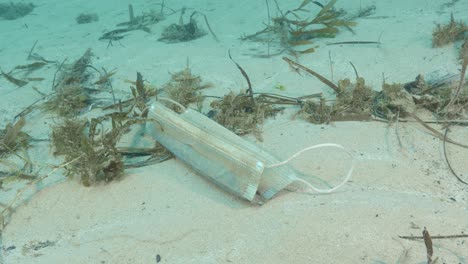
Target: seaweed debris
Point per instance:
(291, 29)
(356, 101)
(459, 98)
(446, 98)
(25, 70)
(91, 147)
(68, 100)
(13, 80)
(28, 68)
(183, 32)
(392, 102)
(353, 102)
(86, 18)
(12, 11)
(13, 139)
(73, 88)
(185, 88)
(449, 33)
(316, 112)
(77, 72)
(242, 115)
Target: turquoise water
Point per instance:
(99, 65)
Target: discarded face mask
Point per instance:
(233, 163)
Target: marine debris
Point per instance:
(12, 11)
(448, 33)
(242, 115)
(25, 70)
(12, 138)
(182, 32)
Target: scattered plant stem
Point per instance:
(447, 160)
(435, 237)
(209, 27)
(296, 65)
(355, 71)
(436, 133)
(353, 43)
(249, 90)
(30, 57)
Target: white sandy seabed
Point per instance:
(166, 213)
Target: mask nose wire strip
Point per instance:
(307, 184)
(183, 108)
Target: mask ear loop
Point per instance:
(310, 186)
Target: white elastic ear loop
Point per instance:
(333, 145)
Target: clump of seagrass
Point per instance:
(292, 28)
(433, 96)
(14, 143)
(353, 99)
(242, 113)
(393, 101)
(185, 88)
(399, 101)
(449, 33)
(72, 88)
(356, 101)
(13, 139)
(353, 102)
(77, 72)
(86, 18)
(90, 147)
(183, 32)
(316, 112)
